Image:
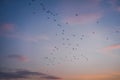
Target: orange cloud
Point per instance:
(18, 57)
(23, 59)
(94, 77)
(111, 47)
(83, 18)
(108, 76)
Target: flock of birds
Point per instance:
(53, 58)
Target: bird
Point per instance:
(33, 0)
(93, 32)
(59, 25)
(73, 35)
(81, 38)
(46, 57)
(107, 38)
(66, 22)
(48, 17)
(97, 22)
(54, 20)
(76, 14)
(29, 3)
(82, 35)
(67, 39)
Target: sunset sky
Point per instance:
(59, 39)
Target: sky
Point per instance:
(59, 39)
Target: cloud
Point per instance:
(51, 77)
(18, 57)
(83, 18)
(107, 76)
(10, 75)
(25, 74)
(7, 28)
(28, 38)
(118, 9)
(35, 38)
(111, 47)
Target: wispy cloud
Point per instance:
(118, 9)
(51, 77)
(83, 18)
(101, 77)
(29, 38)
(26, 75)
(18, 57)
(10, 75)
(111, 47)
(108, 76)
(7, 28)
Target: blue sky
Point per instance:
(60, 39)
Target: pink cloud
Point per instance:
(18, 57)
(83, 18)
(7, 27)
(8, 30)
(29, 38)
(111, 47)
(118, 9)
(23, 59)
